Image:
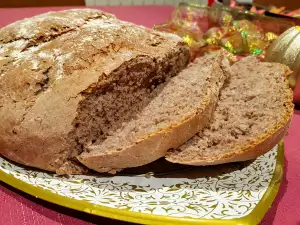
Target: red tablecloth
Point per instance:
(17, 208)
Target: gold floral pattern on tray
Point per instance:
(229, 196)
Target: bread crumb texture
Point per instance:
(164, 122)
(254, 104)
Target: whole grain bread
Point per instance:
(252, 116)
(179, 108)
(67, 79)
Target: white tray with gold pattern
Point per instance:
(238, 193)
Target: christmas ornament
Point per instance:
(286, 49)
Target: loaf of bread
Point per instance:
(252, 116)
(179, 108)
(80, 89)
(68, 79)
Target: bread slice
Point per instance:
(251, 117)
(179, 109)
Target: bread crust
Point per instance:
(149, 148)
(247, 152)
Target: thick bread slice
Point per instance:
(251, 117)
(179, 109)
(60, 71)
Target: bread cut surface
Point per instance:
(61, 70)
(251, 117)
(178, 109)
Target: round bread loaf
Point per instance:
(61, 70)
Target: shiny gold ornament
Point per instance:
(270, 36)
(188, 39)
(244, 25)
(234, 42)
(213, 35)
(225, 19)
(255, 42)
(286, 49)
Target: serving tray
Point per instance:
(163, 193)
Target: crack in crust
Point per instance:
(46, 27)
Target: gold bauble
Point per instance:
(286, 50)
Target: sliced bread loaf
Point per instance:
(179, 109)
(251, 117)
(69, 77)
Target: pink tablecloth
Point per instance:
(17, 208)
